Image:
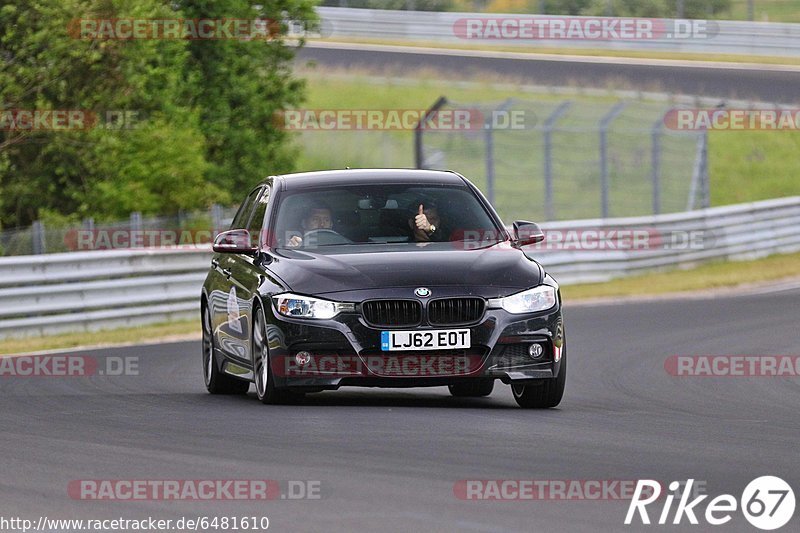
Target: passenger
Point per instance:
(425, 224)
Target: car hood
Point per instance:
(489, 272)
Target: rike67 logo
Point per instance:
(767, 502)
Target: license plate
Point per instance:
(441, 339)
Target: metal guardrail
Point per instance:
(737, 232)
(87, 291)
(725, 37)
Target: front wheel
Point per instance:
(545, 394)
(216, 381)
(266, 391)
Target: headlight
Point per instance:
(296, 306)
(541, 298)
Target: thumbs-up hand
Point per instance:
(421, 220)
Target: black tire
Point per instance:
(264, 381)
(475, 389)
(217, 382)
(545, 394)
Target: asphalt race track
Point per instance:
(768, 84)
(389, 460)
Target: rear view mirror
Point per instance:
(235, 241)
(526, 233)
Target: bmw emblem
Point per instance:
(422, 292)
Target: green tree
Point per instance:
(204, 109)
(239, 86)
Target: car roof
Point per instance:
(358, 176)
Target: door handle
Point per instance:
(214, 263)
(226, 272)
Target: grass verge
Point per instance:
(716, 275)
(164, 332)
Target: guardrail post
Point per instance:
(549, 126)
(656, 165)
(38, 239)
(136, 221)
(605, 124)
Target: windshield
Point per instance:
(382, 214)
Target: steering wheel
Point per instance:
(324, 237)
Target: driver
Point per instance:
(318, 217)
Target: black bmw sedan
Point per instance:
(379, 278)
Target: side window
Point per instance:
(257, 220)
(243, 214)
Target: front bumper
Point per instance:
(346, 351)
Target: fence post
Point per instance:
(605, 123)
(418, 155)
(705, 187)
(488, 128)
(489, 137)
(549, 124)
(656, 168)
(37, 237)
(699, 184)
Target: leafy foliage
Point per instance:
(202, 108)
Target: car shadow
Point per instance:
(402, 398)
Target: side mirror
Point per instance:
(526, 233)
(235, 241)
